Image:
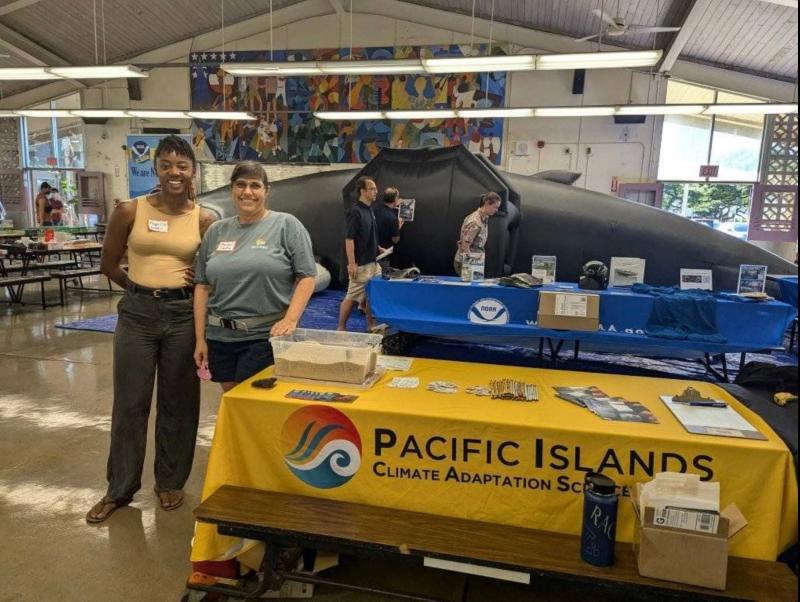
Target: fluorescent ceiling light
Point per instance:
(660, 109)
(98, 72)
(56, 73)
(26, 73)
(377, 67)
(465, 64)
(598, 60)
(159, 114)
(498, 113)
(44, 113)
(8, 114)
(224, 115)
(430, 114)
(273, 69)
(574, 111)
(349, 115)
(750, 109)
(99, 113)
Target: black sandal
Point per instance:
(96, 515)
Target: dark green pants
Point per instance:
(154, 339)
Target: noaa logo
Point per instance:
(488, 311)
(140, 151)
(321, 446)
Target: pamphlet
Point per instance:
(395, 362)
(696, 279)
(472, 266)
(544, 268)
(752, 279)
(626, 271)
(608, 408)
(404, 382)
(406, 209)
(721, 421)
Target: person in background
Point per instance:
(42, 205)
(56, 208)
(388, 223)
(253, 279)
(154, 338)
(361, 248)
(475, 228)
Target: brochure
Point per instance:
(696, 279)
(406, 209)
(544, 268)
(608, 408)
(752, 279)
(721, 421)
(626, 271)
(472, 266)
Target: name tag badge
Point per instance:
(157, 225)
(226, 245)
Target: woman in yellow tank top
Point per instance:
(154, 339)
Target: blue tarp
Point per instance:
(492, 314)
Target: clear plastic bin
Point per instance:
(348, 357)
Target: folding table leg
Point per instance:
(576, 349)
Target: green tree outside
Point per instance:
(723, 202)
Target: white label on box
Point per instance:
(690, 520)
(575, 306)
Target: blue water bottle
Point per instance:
(599, 520)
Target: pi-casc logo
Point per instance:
(488, 311)
(321, 446)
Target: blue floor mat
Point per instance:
(323, 313)
(100, 324)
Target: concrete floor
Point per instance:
(55, 404)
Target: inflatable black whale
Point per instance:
(540, 215)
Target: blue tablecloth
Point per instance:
(492, 314)
(788, 286)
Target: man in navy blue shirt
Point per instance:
(361, 248)
(389, 223)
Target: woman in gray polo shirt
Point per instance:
(254, 276)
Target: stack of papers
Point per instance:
(608, 408)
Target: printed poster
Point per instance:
(142, 177)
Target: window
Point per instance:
(688, 141)
(723, 207)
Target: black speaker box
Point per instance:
(578, 81)
(134, 88)
(623, 119)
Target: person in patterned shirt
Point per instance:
(475, 229)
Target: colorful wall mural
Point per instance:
(286, 130)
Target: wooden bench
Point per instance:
(16, 286)
(64, 276)
(287, 521)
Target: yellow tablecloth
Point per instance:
(491, 460)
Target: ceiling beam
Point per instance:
(695, 11)
(27, 49)
(337, 6)
(13, 6)
(31, 52)
(789, 3)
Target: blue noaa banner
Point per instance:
(141, 169)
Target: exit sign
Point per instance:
(709, 171)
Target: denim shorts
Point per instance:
(238, 361)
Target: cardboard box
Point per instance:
(684, 556)
(569, 311)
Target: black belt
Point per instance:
(162, 293)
